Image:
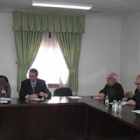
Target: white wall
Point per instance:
(100, 53)
(7, 51)
(130, 51)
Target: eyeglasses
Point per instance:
(31, 75)
(137, 84)
(109, 78)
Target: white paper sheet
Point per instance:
(75, 97)
(3, 102)
(97, 98)
(5, 99)
(124, 103)
(136, 111)
(35, 99)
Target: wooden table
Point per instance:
(62, 118)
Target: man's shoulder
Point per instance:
(118, 84)
(136, 91)
(25, 81)
(40, 81)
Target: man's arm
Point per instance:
(102, 93)
(119, 92)
(137, 104)
(103, 90)
(46, 91)
(22, 92)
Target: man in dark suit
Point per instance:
(34, 87)
(135, 100)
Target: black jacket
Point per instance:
(114, 92)
(26, 88)
(136, 97)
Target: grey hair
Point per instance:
(115, 76)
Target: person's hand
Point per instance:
(101, 95)
(131, 102)
(124, 99)
(33, 96)
(42, 94)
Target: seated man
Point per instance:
(34, 87)
(113, 89)
(135, 100)
(5, 89)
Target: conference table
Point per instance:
(63, 118)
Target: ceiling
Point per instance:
(113, 7)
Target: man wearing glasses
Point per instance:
(34, 87)
(135, 100)
(113, 89)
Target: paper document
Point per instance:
(136, 111)
(124, 103)
(35, 99)
(3, 102)
(97, 97)
(5, 99)
(75, 97)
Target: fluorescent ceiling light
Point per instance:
(61, 5)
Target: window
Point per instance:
(50, 62)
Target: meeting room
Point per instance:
(70, 70)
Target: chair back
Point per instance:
(4, 78)
(128, 94)
(63, 91)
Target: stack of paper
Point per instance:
(97, 97)
(136, 111)
(35, 99)
(75, 97)
(3, 102)
(124, 103)
(5, 99)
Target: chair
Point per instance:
(128, 94)
(63, 91)
(4, 78)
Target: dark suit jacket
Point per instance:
(26, 88)
(136, 97)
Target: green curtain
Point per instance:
(27, 45)
(70, 44)
(48, 22)
(28, 28)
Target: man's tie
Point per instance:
(33, 87)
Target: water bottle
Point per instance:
(119, 106)
(106, 100)
(114, 105)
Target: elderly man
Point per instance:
(135, 100)
(5, 89)
(34, 87)
(113, 89)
